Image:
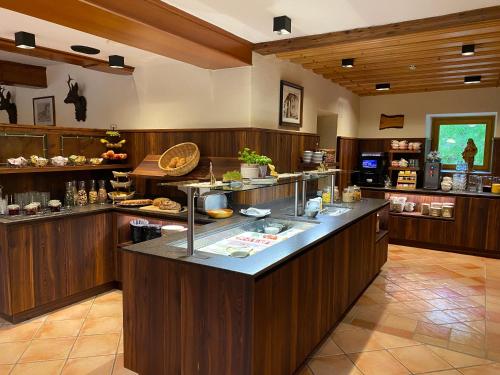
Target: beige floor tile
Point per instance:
(467, 338)
(113, 296)
(420, 306)
(98, 345)
(103, 325)
(443, 303)
(120, 345)
(108, 309)
(119, 369)
(11, 352)
(391, 341)
(102, 365)
(378, 363)
(5, 369)
(420, 359)
(78, 311)
(19, 332)
(398, 326)
(328, 348)
(457, 359)
(59, 328)
(39, 368)
(433, 330)
(48, 349)
(338, 365)
(445, 372)
(481, 370)
(356, 341)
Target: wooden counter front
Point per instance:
(189, 318)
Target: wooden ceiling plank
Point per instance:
(423, 89)
(395, 30)
(88, 62)
(142, 24)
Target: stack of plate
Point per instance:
(317, 157)
(307, 156)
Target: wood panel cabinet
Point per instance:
(48, 262)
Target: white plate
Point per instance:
(263, 213)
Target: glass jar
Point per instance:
(102, 194)
(82, 198)
(75, 192)
(336, 194)
(69, 195)
(348, 195)
(356, 193)
(327, 195)
(495, 185)
(92, 192)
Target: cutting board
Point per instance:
(157, 210)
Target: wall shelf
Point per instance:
(418, 215)
(404, 168)
(72, 168)
(404, 152)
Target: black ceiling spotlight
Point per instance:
(282, 25)
(472, 79)
(116, 61)
(85, 49)
(348, 63)
(382, 86)
(24, 40)
(468, 49)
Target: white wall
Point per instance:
(417, 106)
(320, 95)
(177, 95)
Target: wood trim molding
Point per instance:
(64, 57)
(378, 32)
(16, 74)
(151, 25)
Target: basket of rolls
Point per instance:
(180, 159)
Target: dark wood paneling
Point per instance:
(496, 157)
(16, 74)
(5, 300)
(189, 319)
(347, 158)
(91, 254)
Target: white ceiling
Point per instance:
(252, 19)
(61, 38)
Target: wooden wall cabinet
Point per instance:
(47, 264)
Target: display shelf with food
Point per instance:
(66, 168)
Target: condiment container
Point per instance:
(13, 209)
(102, 195)
(356, 193)
(327, 195)
(447, 210)
(348, 195)
(436, 211)
(425, 208)
(495, 185)
(82, 198)
(55, 205)
(93, 197)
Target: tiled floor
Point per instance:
(428, 312)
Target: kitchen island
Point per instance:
(263, 314)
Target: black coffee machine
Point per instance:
(372, 168)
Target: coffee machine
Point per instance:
(432, 175)
(372, 169)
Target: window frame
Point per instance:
(488, 146)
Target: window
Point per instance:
(450, 135)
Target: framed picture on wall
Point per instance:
(291, 104)
(44, 111)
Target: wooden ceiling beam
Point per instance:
(395, 30)
(151, 25)
(16, 74)
(64, 57)
(408, 90)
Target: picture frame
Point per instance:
(44, 111)
(291, 104)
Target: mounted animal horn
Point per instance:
(79, 101)
(6, 105)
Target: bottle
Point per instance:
(82, 198)
(75, 192)
(102, 194)
(92, 193)
(327, 195)
(69, 195)
(357, 193)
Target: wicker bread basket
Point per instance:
(187, 150)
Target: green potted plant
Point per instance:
(263, 161)
(249, 167)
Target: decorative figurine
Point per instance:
(7, 105)
(470, 153)
(79, 101)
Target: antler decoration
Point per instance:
(79, 101)
(6, 105)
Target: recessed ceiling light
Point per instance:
(116, 61)
(85, 49)
(24, 40)
(382, 86)
(472, 79)
(468, 49)
(347, 63)
(282, 25)
(413, 67)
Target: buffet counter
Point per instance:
(474, 227)
(261, 314)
